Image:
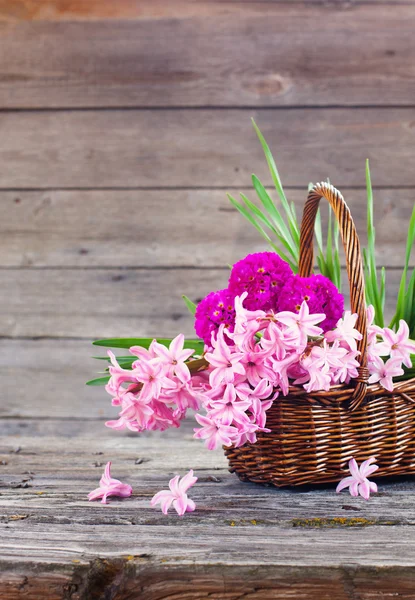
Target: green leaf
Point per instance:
(278, 185)
(196, 345)
(190, 305)
(98, 381)
(244, 211)
(273, 212)
(260, 215)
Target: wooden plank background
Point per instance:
(124, 124)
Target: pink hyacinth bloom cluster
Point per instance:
(157, 391)
(245, 370)
(388, 351)
(176, 495)
(110, 487)
(269, 352)
(358, 482)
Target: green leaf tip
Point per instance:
(190, 305)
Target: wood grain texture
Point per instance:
(52, 368)
(90, 10)
(204, 148)
(211, 54)
(243, 538)
(128, 228)
(112, 302)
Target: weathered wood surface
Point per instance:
(53, 385)
(243, 541)
(204, 148)
(113, 302)
(215, 54)
(90, 10)
(128, 228)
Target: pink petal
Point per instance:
(344, 483)
(354, 488)
(166, 503)
(364, 489)
(354, 469)
(187, 481)
(182, 372)
(191, 506)
(95, 494)
(174, 485)
(180, 504)
(159, 496)
(373, 487)
(176, 345)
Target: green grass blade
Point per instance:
(278, 185)
(272, 209)
(266, 237)
(279, 232)
(196, 345)
(98, 381)
(190, 305)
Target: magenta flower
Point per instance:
(110, 487)
(302, 322)
(176, 495)
(358, 482)
(397, 345)
(262, 275)
(214, 310)
(321, 295)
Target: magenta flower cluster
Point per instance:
(262, 276)
(321, 295)
(269, 284)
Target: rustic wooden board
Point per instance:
(86, 10)
(128, 228)
(243, 538)
(112, 302)
(216, 54)
(204, 148)
(52, 368)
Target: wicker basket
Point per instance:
(313, 436)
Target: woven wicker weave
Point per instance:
(313, 436)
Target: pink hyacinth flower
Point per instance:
(110, 487)
(176, 495)
(214, 433)
(345, 331)
(358, 482)
(302, 323)
(384, 372)
(174, 357)
(397, 345)
(226, 364)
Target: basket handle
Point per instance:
(354, 269)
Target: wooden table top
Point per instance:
(243, 541)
